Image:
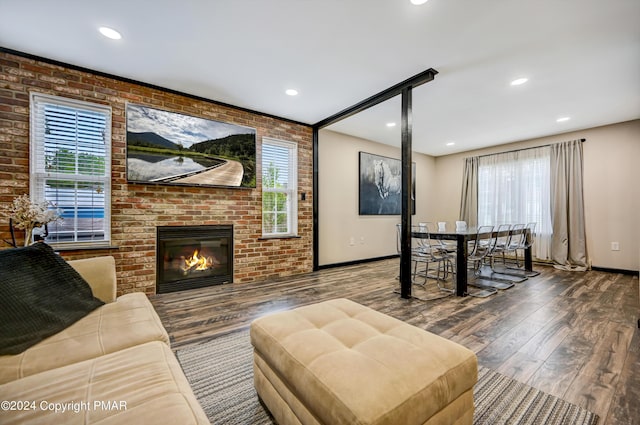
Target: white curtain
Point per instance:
(514, 187)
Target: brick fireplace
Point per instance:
(191, 257)
(137, 210)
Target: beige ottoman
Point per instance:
(338, 362)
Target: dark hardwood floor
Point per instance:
(573, 335)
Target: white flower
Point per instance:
(27, 215)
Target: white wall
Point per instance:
(611, 189)
(611, 194)
(344, 235)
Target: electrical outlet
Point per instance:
(352, 241)
(615, 246)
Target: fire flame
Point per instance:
(196, 262)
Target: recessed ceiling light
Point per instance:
(391, 124)
(519, 81)
(451, 143)
(418, 2)
(110, 33)
(292, 92)
(563, 119)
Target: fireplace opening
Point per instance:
(191, 257)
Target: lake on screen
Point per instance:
(147, 167)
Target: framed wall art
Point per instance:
(381, 185)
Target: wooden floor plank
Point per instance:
(548, 338)
(560, 369)
(595, 384)
(625, 408)
(570, 334)
(520, 366)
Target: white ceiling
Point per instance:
(582, 58)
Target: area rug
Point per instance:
(221, 375)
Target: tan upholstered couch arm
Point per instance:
(100, 273)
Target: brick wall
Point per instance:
(137, 209)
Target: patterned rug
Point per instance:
(221, 375)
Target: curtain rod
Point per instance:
(523, 149)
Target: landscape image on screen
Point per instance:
(170, 148)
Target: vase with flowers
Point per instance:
(28, 215)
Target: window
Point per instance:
(71, 167)
(514, 187)
(279, 188)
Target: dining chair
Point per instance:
(417, 257)
(498, 278)
(449, 246)
(439, 255)
(479, 248)
(526, 242)
(436, 243)
(431, 250)
(423, 258)
(503, 242)
(517, 241)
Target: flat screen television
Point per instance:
(172, 148)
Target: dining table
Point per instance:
(462, 238)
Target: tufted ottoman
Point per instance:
(338, 362)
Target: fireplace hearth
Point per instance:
(190, 257)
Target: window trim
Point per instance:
(35, 99)
(292, 191)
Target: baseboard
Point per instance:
(610, 270)
(537, 262)
(353, 263)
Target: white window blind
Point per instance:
(279, 188)
(70, 167)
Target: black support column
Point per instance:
(405, 237)
(405, 89)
